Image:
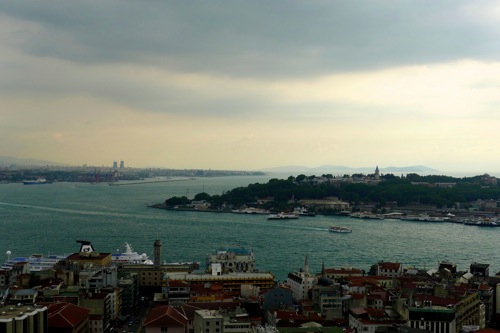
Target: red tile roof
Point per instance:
(165, 316)
(394, 266)
(66, 315)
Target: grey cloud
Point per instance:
(259, 38)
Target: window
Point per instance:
(164, 329)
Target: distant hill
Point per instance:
(341, 169)
(8, 161)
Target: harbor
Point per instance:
(109, 216)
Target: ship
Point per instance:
(282, 216)
(36, 262)
(37, 181)
(129, 256)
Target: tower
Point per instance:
(157, 254)
(377, 173)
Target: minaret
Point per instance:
(306, 267)
(157, 254)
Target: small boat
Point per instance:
(367, 215)
(301, 211)
(282, 216)
(340, 229)
(37, 181)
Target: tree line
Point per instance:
(281, 194)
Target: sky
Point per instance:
(250, 84)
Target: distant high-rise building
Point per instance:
(122, 164)
(115, 164)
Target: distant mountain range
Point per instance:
(341, 169)
(8, 161)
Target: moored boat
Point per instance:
(367, 215)
(250, 210)
(36, 262)
(282, 216)
(129, 256)
(340, 229)
(301, 211)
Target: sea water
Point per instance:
(50, 218)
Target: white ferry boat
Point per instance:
(282, 216)
(37, 262)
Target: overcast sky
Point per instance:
(252, 84)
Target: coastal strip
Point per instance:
(149, 182)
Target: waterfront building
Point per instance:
(340, 273)
(23, 319)
(390, 269)
(447, 266)
(481, 271)
(332, 203)
(232, 260)
(88, 257)
(231, 282)
(301, 282)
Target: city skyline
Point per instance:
(252, 85)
